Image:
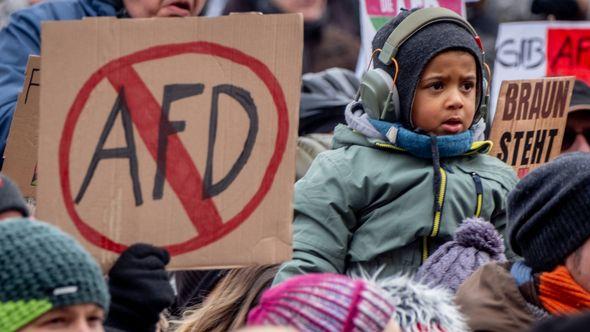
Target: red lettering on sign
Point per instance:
(568, 53)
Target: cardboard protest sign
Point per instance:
(530, 121)
(528, 50)
(20, 154)
(175, 132)
(375, 13)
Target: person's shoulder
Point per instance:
(497, 165)
(53, 10)
(491, 167)
(492, 301)
(486, 160)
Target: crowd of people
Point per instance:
(402, 221)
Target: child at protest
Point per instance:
(407, 168)
(47, 281)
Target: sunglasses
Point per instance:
(569, 137)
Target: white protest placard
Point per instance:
(529, 50)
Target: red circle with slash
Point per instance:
(201, 212)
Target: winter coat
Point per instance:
(366, 204)
(492, 301)
(22, 37)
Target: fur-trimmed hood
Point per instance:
(421, 308)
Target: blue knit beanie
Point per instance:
(42, 268)
(549, 211)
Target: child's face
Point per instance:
(444, 101)
(75, 318)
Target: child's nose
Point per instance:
(454, 99)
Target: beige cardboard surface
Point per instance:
(179, 132)
(20, 155)
(530, 121)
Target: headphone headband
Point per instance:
(414, 23)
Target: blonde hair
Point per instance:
(227, 307)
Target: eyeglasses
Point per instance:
(569, 137)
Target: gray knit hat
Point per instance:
(475, 243)
(415, 53)
(549, 211)
(580, 97)
(42, 268)
(11, 197)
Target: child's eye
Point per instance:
(436, 86)
(468, 86)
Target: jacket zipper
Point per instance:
(440, 198)
(437, 214)
(479, 193)
(441, 201)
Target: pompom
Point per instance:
(481, 235)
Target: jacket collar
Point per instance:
(104, 7)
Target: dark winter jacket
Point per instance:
(22, 37)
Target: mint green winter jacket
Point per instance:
(367, 205)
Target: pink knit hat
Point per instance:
(324, 302)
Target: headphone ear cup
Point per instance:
(375, 88)
(391, 109)
(482, 111)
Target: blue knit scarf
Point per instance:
(420, 145)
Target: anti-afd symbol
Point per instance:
(137, 105)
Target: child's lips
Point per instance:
(452, 126)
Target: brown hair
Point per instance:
(227, 307)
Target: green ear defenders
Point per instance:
(378, 91)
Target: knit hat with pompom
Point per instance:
(475, 243)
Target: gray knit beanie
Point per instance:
(415, 53)
(11, 197)
(475, 243)
(42, 268)
(549, 211)
(580, 97)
